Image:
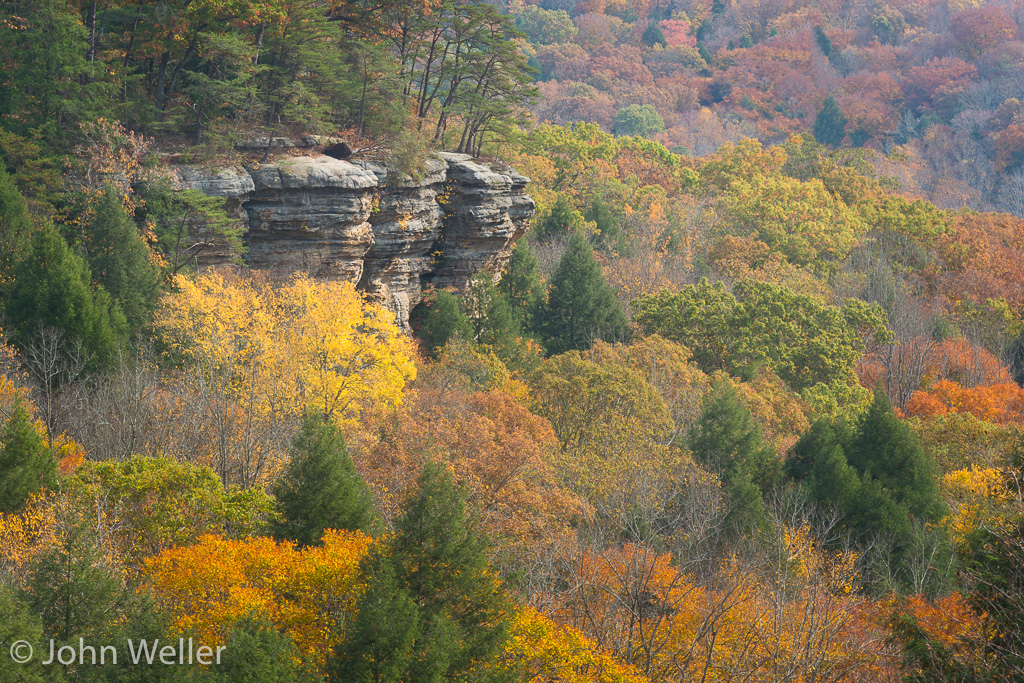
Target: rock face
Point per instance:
(310, 214)
(361, 222)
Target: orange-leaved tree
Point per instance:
(1000, 403)
(208, 587)
(493, 446)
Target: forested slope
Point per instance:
(741, 406)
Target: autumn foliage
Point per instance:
(306, 344)
(742, 403)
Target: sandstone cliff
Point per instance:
(361, 222)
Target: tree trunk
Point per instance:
(131, 39)
(161, 80)
(177, 69)
(90, 23)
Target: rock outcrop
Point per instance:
(360, 221)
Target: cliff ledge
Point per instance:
(359, 221)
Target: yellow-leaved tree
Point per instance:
(306, 344)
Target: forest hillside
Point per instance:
(741, 401)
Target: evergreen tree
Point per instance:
(879, 479)
(15, 225)
(140, 620)
(78, 594)
(653, 35)
(495, 323)
(1016, 353)
(320, 488)
(727, 441)
(888, 450)
(119, 261)
(819, 460)
(17, 622)
(704, 53)
(441, 560)
(256, 652)
(75, 590)
(378, 642)
(581, 306)
(52, 289)
(607, 225)
(443, 322)
(996, 573)
(26, 464)
(51, 88)
(562, 219)
(830, 125)
(177, 216)
(824, 43)
(433, 610)
(537, 69)
(521, 283)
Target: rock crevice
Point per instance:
(360, 221)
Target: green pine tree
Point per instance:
(441, 560)
(607, 225)
(537, 73)
(882, 483)
(830, 125)
(256, 652)
(726, 440)
(561, 219)
(1016, 354)
(52, 288)
(379, 641)
(522, 285)
(581, 307)
(140, 619)
(78, 594)
(15, 226)
(320, 488)
(179, 217)
(18, 622)
(888, 450)
(443, 321)
(434, 611)
(819, 460)
(824, 42)
(495, 322)
(653, 35)
(51, 88)
(26, 464)
(995, 570)
(119, 261)
(704, 53)
(74, 590)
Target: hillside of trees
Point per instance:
(932, 88)
(744, 405)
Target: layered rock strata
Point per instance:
(362, 222)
